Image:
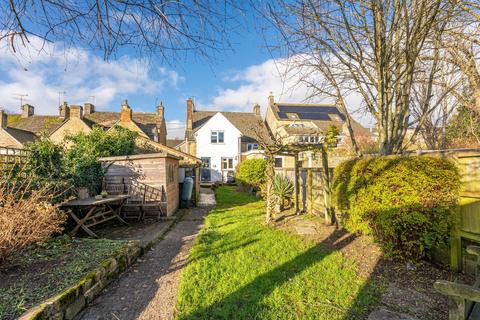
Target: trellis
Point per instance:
(9, 157)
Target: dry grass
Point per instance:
(27, 214)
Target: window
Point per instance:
(216, 137)
(227, 163)
(205, 162)
(278, 162)
(252, 146)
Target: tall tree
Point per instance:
(164, 28)
(371, 47)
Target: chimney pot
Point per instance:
(271, 99)
(27, 110)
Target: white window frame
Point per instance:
(252, 146)
(229, 163)
(216, 134)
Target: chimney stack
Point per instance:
(76, 112)
(256, 109)
(161, 124)
(88, 108)
(189, 126)
(271, 101)
(64, 111)
(27, 110)
(3, 119)
(125, 112)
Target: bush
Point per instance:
(81, 158)
(406, 203)
(283, 189)
(26, 216)
(251, 172)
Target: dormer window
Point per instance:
(217, 137)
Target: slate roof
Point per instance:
(321, 115)
(20, 135)
(249, 124)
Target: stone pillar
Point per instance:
(3, 119)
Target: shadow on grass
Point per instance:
(247, 301)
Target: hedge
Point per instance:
(251, 172)
(405, 202)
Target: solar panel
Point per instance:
(313, 116)
(309, 109)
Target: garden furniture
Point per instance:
(97, 211)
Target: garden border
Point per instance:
(71, 301)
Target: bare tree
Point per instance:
(154, 27)
(370, 46)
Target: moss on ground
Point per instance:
(48, 269)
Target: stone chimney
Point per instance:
(76, 112)
(27, 110)
(125, 112)
(161, 124)
(256, 109)
(64, 111)
(271, 101)
(189, 124)
(3, 119)
(88, 108)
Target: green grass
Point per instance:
(241, 269)
(48, 269)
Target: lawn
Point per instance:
(241, 269)
(48, 269)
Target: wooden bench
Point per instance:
(463, 300)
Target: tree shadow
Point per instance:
(247, 301)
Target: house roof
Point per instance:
(38, 124)
(146, 121)
(248, 123)
(172, 143)
(35, 124)
(321, 116)
(20, 135)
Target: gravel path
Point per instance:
(148, 290)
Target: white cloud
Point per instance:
(254, 84)
(83, 76)
(175, 129)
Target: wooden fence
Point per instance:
(10, 157)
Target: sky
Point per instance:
(234, 80)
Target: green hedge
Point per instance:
(405, 202)
(252, 172)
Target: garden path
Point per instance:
(148, 290)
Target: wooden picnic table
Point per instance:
(97, 211)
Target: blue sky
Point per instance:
(233, 80)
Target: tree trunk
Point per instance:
(270, 201)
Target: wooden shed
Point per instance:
(158, 171)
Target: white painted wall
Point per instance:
(228, 149)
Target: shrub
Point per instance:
(252, 172)
(81, 158)
(26, 216)
(283, 189)
(406, 203)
